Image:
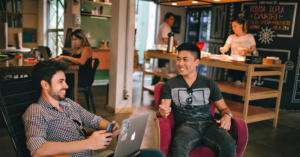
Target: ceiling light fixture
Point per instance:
(174, 3)
(217, 0)
(195, 2)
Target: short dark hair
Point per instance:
(45, 70)
(190, 47)
(168, 15)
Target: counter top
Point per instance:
(93, 49)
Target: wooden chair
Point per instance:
(88, 90)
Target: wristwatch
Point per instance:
(229, 114)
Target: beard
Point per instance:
(56, 96)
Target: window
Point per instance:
(145, 27)
(55, 23)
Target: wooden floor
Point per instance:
(263, 139)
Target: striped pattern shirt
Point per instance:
(44, 122)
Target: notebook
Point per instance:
(130, 138)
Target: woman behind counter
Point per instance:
(240, 42)
(82, 57)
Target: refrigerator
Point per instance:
(198, 26)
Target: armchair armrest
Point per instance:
(165, 135)
(239, 133)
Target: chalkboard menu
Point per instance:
(269, 19)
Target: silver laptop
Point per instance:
(130, 138)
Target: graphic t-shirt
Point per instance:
(204, 90)
(239, 42)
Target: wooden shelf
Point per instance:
(96, 2)
(254, 113)
(256, 92)
(160, 55)
(149, 72)
(149, 88)
(14, 13)
(86, 14)
(29, 21)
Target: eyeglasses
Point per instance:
(82, 131)
(189, 100)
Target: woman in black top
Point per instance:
(82, 57)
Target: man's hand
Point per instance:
(116, 128)
(225, 122)
(163, 110)
(99, 140)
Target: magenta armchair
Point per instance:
(238, 131)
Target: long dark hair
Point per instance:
(78, 33)
(243, 22)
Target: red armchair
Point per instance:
(238, 131)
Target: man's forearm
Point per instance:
(225, 110)
(61, 148)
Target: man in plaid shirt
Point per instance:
(54, 125)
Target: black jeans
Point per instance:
(151, 152)
(205, 133)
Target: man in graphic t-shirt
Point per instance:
(189, 95)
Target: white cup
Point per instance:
(235, 57)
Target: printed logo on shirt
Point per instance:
(200, 96)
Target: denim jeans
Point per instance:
(203, 133)
(150, 152)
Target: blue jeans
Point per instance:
(203, 133)
(150, 152)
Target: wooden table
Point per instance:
(245, 111)
(15, 69)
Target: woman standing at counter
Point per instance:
(240, 42)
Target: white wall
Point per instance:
(161, 12)
(42, 16)
(69, 11)
(120, 66)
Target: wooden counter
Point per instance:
(245, 111)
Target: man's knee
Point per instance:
(231, 144)
(228, 148)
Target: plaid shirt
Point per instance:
(43, 122)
